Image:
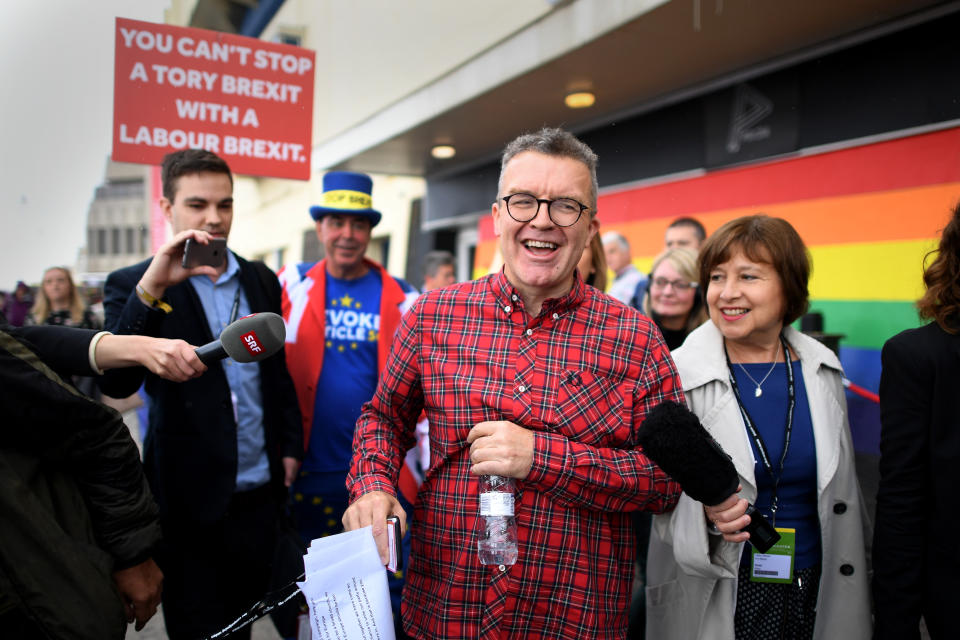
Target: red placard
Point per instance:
(248, 101)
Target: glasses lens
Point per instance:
(521, 206)
(564, 211)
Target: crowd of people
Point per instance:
(386, 401)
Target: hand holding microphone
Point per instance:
(172, 360)
(672, 436)
(249, 339)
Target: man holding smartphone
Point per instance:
(221, 449)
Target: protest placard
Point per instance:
(248, 101)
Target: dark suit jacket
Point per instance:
(916, 564)
(190, 452)
(63, 349)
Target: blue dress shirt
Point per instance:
(253, 469)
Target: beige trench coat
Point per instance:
(691, 574)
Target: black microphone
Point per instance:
(671, 435)
(248, 339)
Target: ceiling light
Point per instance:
(579, 99)
(443, 151)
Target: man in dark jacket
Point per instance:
(77, 522)
(220, 450)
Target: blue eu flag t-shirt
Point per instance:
(349, 374)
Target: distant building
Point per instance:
(118, 222)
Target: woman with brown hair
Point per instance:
(774, 400)
(916, 566)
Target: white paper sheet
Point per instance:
(322, 550)
(346, 588)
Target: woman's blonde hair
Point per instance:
(42, 305)
(684, 260)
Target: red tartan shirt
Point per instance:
(581, 375)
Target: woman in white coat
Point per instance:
(785, 426)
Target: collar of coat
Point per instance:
(702, 355)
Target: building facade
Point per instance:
(118, 222)
(840, 117)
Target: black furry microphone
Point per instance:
(671, 435)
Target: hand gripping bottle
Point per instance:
(497, 529)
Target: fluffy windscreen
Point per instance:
(672, 436)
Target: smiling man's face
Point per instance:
(540, 257)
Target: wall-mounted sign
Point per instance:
(751, 121)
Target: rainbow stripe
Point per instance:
(868, 214)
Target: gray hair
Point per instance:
(613, 236)
(553, 142)
(436, 259)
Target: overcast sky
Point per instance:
(56, 58)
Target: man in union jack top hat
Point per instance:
(341, 315)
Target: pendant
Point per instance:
(758, 392)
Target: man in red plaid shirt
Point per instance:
(526, 373)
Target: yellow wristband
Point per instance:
(152, 301)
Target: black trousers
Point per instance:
(212, 574)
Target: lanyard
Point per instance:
(236, 304)
(755, 434)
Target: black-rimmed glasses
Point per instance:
(564, 212)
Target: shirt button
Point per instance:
(839, 508)
(521, 388)
(846, 569)
(514, 297)
(556, 316)
(508, 308)
(529, 332)
(502, 568)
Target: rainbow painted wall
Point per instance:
(868, 214)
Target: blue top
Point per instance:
(253, 468)
(797, 490)
(349, 374)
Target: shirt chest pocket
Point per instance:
(593, 410)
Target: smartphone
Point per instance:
(213, 254)
(395, 563)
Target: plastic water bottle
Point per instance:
(497, 535)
